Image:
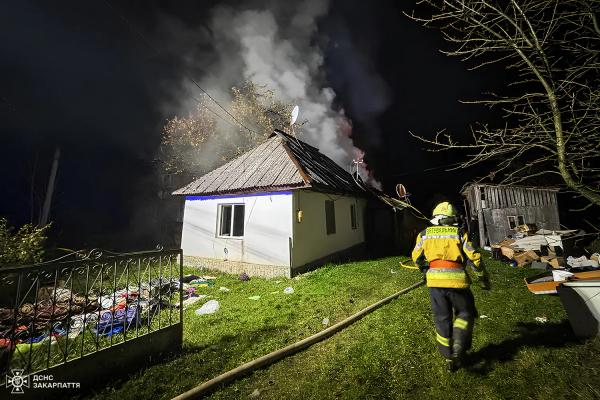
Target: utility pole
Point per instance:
(50, 189)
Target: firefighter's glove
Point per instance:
(485, 283)
(423, 268)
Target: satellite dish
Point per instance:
(401, 191)
(294, 115)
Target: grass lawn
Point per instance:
(388, 354)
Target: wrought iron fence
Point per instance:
(60, 311)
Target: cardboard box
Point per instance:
(557, 262)
(545, 283)
(507, 252)
(526, 257)
(526, 228)
(506, 242)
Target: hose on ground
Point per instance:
(276, 355)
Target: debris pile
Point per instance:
(546, 250)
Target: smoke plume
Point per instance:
(275, 44)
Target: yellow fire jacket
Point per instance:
(446, 243)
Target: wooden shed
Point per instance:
(495, 210)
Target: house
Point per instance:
(277, 210)
(495, 210)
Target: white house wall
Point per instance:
(267, 229)
(311, 241)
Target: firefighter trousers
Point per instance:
(454, 314)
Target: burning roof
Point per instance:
(283, 162)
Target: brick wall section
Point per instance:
(237, 267)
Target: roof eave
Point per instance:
(328, 189)
(280, 188)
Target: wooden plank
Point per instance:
(496, 202)
(543, 198)
(479, 212)
(485, 201)
(501, 198)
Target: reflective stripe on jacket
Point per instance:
(446, 243)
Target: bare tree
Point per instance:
(551, 107)
(254, 113)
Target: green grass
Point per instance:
(388, 354)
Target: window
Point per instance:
(231, 220)
(330, 216)
(353, 216)
(515, 220)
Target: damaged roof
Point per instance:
(282, 162)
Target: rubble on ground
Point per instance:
(543, 246)
(550, 251)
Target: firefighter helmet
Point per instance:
(444, 208)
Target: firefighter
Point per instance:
(442, 253)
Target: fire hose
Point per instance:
(276, 355)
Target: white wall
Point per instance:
(267, 231)
(311, 241)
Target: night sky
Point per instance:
(75, 75)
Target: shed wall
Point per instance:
(267, 229)
(494, 204)
(496, 220)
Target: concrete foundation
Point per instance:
(237, 267)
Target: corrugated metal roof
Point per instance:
(282, 162)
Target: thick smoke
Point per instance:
(276, 45)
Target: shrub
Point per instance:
(23, 245)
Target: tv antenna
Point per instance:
(356, 162)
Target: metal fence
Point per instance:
(72, 308)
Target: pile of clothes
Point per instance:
(60, 312)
